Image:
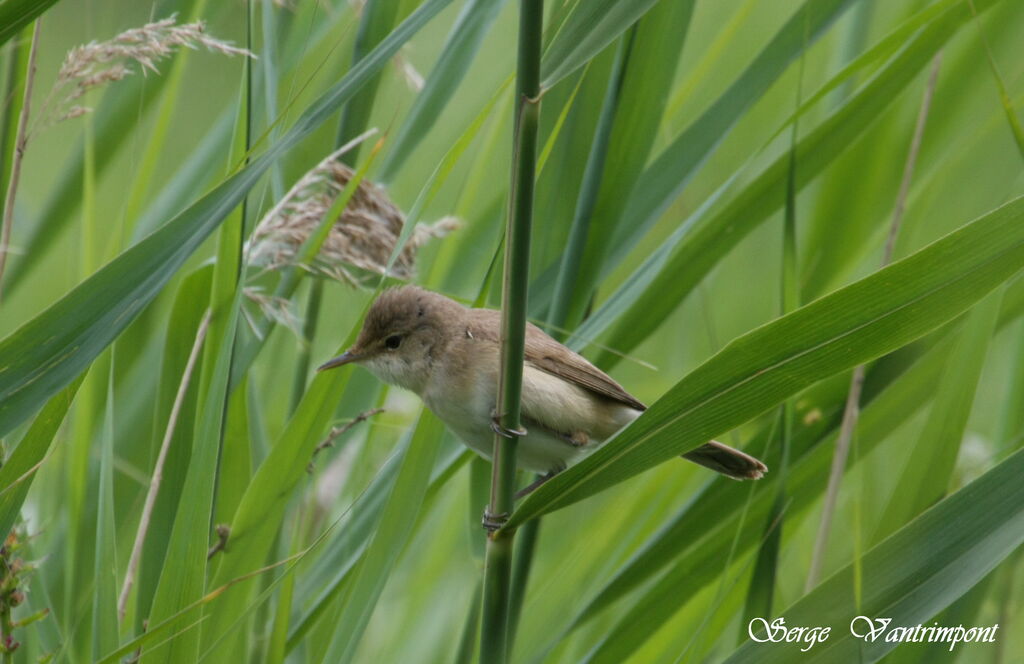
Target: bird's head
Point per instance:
(404, 331)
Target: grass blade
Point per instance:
(183, 579)
(463, 42)
(865, 320)
(656, 44)
(104, 610)
(16, 14)
(712, 525)
(19, 469)
(331, 572)
(84, 322)
(590, 28)
(673, 270)
(914, 574)
(395, 526)
(928, 473)
(188, 311)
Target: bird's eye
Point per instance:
(393, 342)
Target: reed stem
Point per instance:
(20, 143)
(497, 590)
(851, 411)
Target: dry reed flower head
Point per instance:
(96, 64)
(277, 309)
(363, 236)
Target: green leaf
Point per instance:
(662, 181)
(104, 608)
(234, 464)
(79, 326)
(330, 574)
(183, 578)
(15, 63)
(19, 469)
(119, 109)
(204, 166)
(879, 52)
(187, 311)
(375, 22)
(255, 524)
(586, 32)
(269, 68)
(633, 109)
(234, 478)
(345, 551)
(16, 14)
(713, 527)
(867, 319)
(927, 475)
(278, 634)
(392, 533)
(1011, 421)
(463, 42)
(654, 290)
(914, 574)
(1004, 97)
(965, 611)
(761, 591)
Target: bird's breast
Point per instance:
(464, 394)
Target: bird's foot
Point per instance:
(492, 522)
(497, 428)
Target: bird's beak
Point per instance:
(343, 359)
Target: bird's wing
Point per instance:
(552, 357)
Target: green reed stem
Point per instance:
(497, 588)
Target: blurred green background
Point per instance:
(94, 186)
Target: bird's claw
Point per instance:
(492, 522)
(497, 428)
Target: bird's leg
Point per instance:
(532, 486)
(541, 479)
(497, 428)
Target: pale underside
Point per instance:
(553, 411)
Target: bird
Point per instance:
(449, 355)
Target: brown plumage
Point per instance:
(449, 355)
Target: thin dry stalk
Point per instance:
(338, 431)
(363, 236)
(852, 410)
(20, 142)
(158, 469)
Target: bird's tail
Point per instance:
(728, 461)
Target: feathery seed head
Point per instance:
(95, 64)
(364, 235)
